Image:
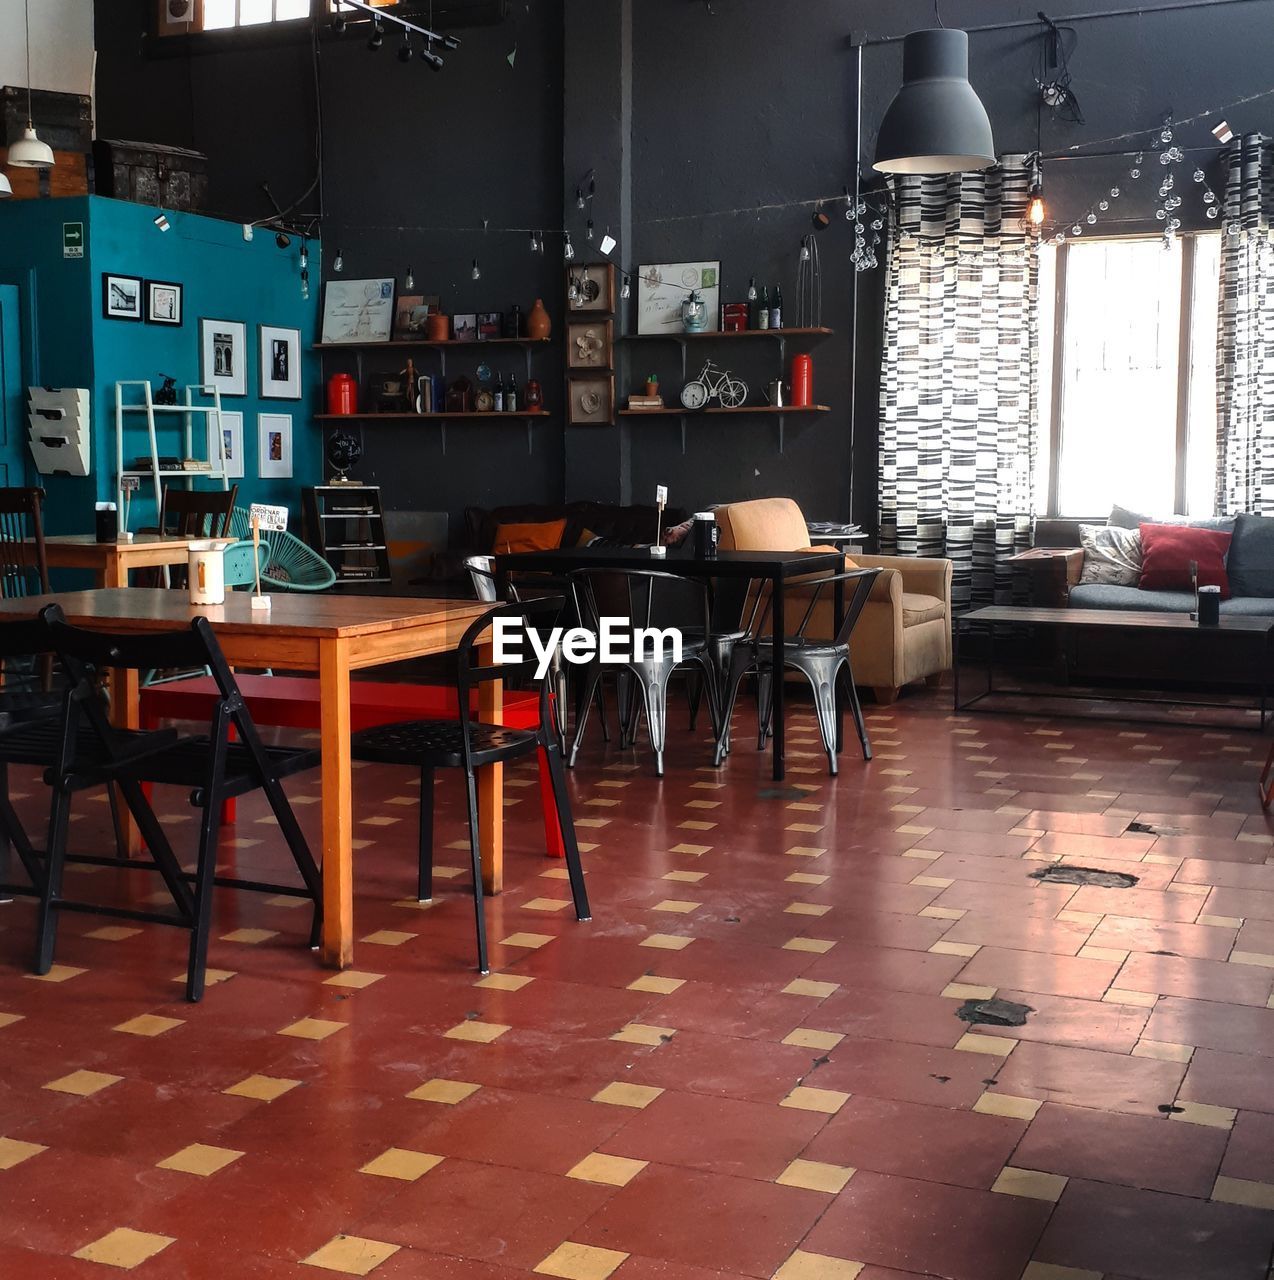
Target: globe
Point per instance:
(344, 451)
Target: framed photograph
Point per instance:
(280, 363)
(464, 328)
(594, 288)
(231, 442)
(274, 446)
(489, 325)
(223, 351)
(358, 310)
(592, 400)
(121, 297)
(411, 314)
(589, 344)
(164, 302)
(663, 287)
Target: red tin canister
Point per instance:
(342, 394)
(802, 382)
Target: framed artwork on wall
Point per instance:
(589, 344)
(280, 356)
(164, 302)
(663, 287)
(592, 400)
(594, 287)
(358, 310)
(231, 441)
(223, 352)
(121, 297)
(274, 446)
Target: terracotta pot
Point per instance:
(538, 324)
(438, 327)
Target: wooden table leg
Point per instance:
(125, 690)
(113, 573)
(338, 819)
(491, 790)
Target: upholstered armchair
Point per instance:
(904, 633)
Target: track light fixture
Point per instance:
(377, 37)
(431, 59)
(405, 50)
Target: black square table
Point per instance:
(778, 568)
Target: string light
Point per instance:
(409, 281)
(476, 273)
(568, 249)
(338, 263)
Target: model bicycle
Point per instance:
(714, 383)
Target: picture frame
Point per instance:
(279, 353)
(592, 401)
(464, 328)
(411, 314)
(595, 288)
(178, 17)
(358, 311)
(232, 440)
(490, 325)
(663, 287)
(121, 297)
(165, 301)
(274, 446)
(590, 344)
(223, 355)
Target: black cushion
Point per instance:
(1251, 561)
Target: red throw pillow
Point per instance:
(1167, 550)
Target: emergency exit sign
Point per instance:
(72, 239)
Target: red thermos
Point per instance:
(342, 394)
(802, 382)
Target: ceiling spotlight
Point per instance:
(338, 24)
(377, 37)
(282, 239)
(404, 49)
(430, 58)
(451, 42)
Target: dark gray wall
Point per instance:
(697, 123)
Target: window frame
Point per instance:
(184, 40)
(1185, 372)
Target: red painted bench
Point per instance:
(292, 702)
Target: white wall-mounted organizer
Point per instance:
(57, 430)
(184, 464)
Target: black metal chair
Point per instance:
(469, 744)
(631, 594)
(824, 663)
(85, 750)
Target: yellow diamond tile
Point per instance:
(806, 909)
(695, 850)
(703, 804)
(611, 1171)
(83, 1083)
(1006, 1104)
(251, 937)
(351, 1255)
(805, 851)
(805, 828)
(940, 913)
(1142, 999)
(1047, 1271)
(1164, 1050)
(14, 1152)
(585, 822)
(642, 1033)
(814, 1175)
(380, 820)
(805, 877)
(529, 940)
(211, 977)
(571, 1261)
(263, 1088)
(479, 1032)
(312, 1028)
(818, 1266)
(827, 1101)
(996, 1046)
(666, 942)
(685, 877)
(656, 985)
(504, 981)
(964, 991)
(546, 904)
(1203, 1113)
(8, 1019)
(448, 1092)
(148, 1024)
(954, 948)
(113, 933)
(818, 946)
(806, 1038)
(58, 972)
(1030, 1184)
(400, 1163)
(677, 906)
(933, 882)
(1256, 1195)
(807, 987)
(124, 1248)
(1256, 958)
(1103, 953)
(356, 979)
(695, 824)
(200, 1159)
(619, 1094)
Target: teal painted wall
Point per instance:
(224, 276)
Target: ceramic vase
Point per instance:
(538, 324)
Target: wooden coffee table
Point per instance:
(1249, 637)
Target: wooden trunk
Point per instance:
(146, 173)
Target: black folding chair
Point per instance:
(88, 751)
(469, 744)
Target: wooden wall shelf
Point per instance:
(674, 412)
(404, 416)
(816, 332)
(403, 343)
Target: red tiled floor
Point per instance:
(1038, 971)
(1250, 1154)
(1229, 1080)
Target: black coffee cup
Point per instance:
(106, 522)
(1209, 606)
(706, 533)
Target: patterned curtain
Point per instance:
(1245, 333)
(959, 377)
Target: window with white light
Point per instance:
(220, 15)
(1127, 377)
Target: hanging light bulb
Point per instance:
(476, 272)
(589, 233)
(1077, 230)
(805, 250)
(568, 249)
(572, 291)
(625, 289)
(1114, 193)
(534, 243)
(1035, 205)
(409, 281)
(1198, 175)
(1091, 218)
(1134, 172)
(305, 283)
(579, 197)
(338, 263)
(1103, 205)
(305, 256)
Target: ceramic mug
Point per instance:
(206, 567)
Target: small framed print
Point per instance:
(231, 443)
(594, 288)
(164, 301)
(223, 350)
(464, 328)
(589, 344)
(121, 297)
(274, 446)
(592, 400)
(280, 358)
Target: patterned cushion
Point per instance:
(1111, 555)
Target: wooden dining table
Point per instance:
(111, 562)
(332, 636)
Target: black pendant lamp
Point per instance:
(936, 123)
